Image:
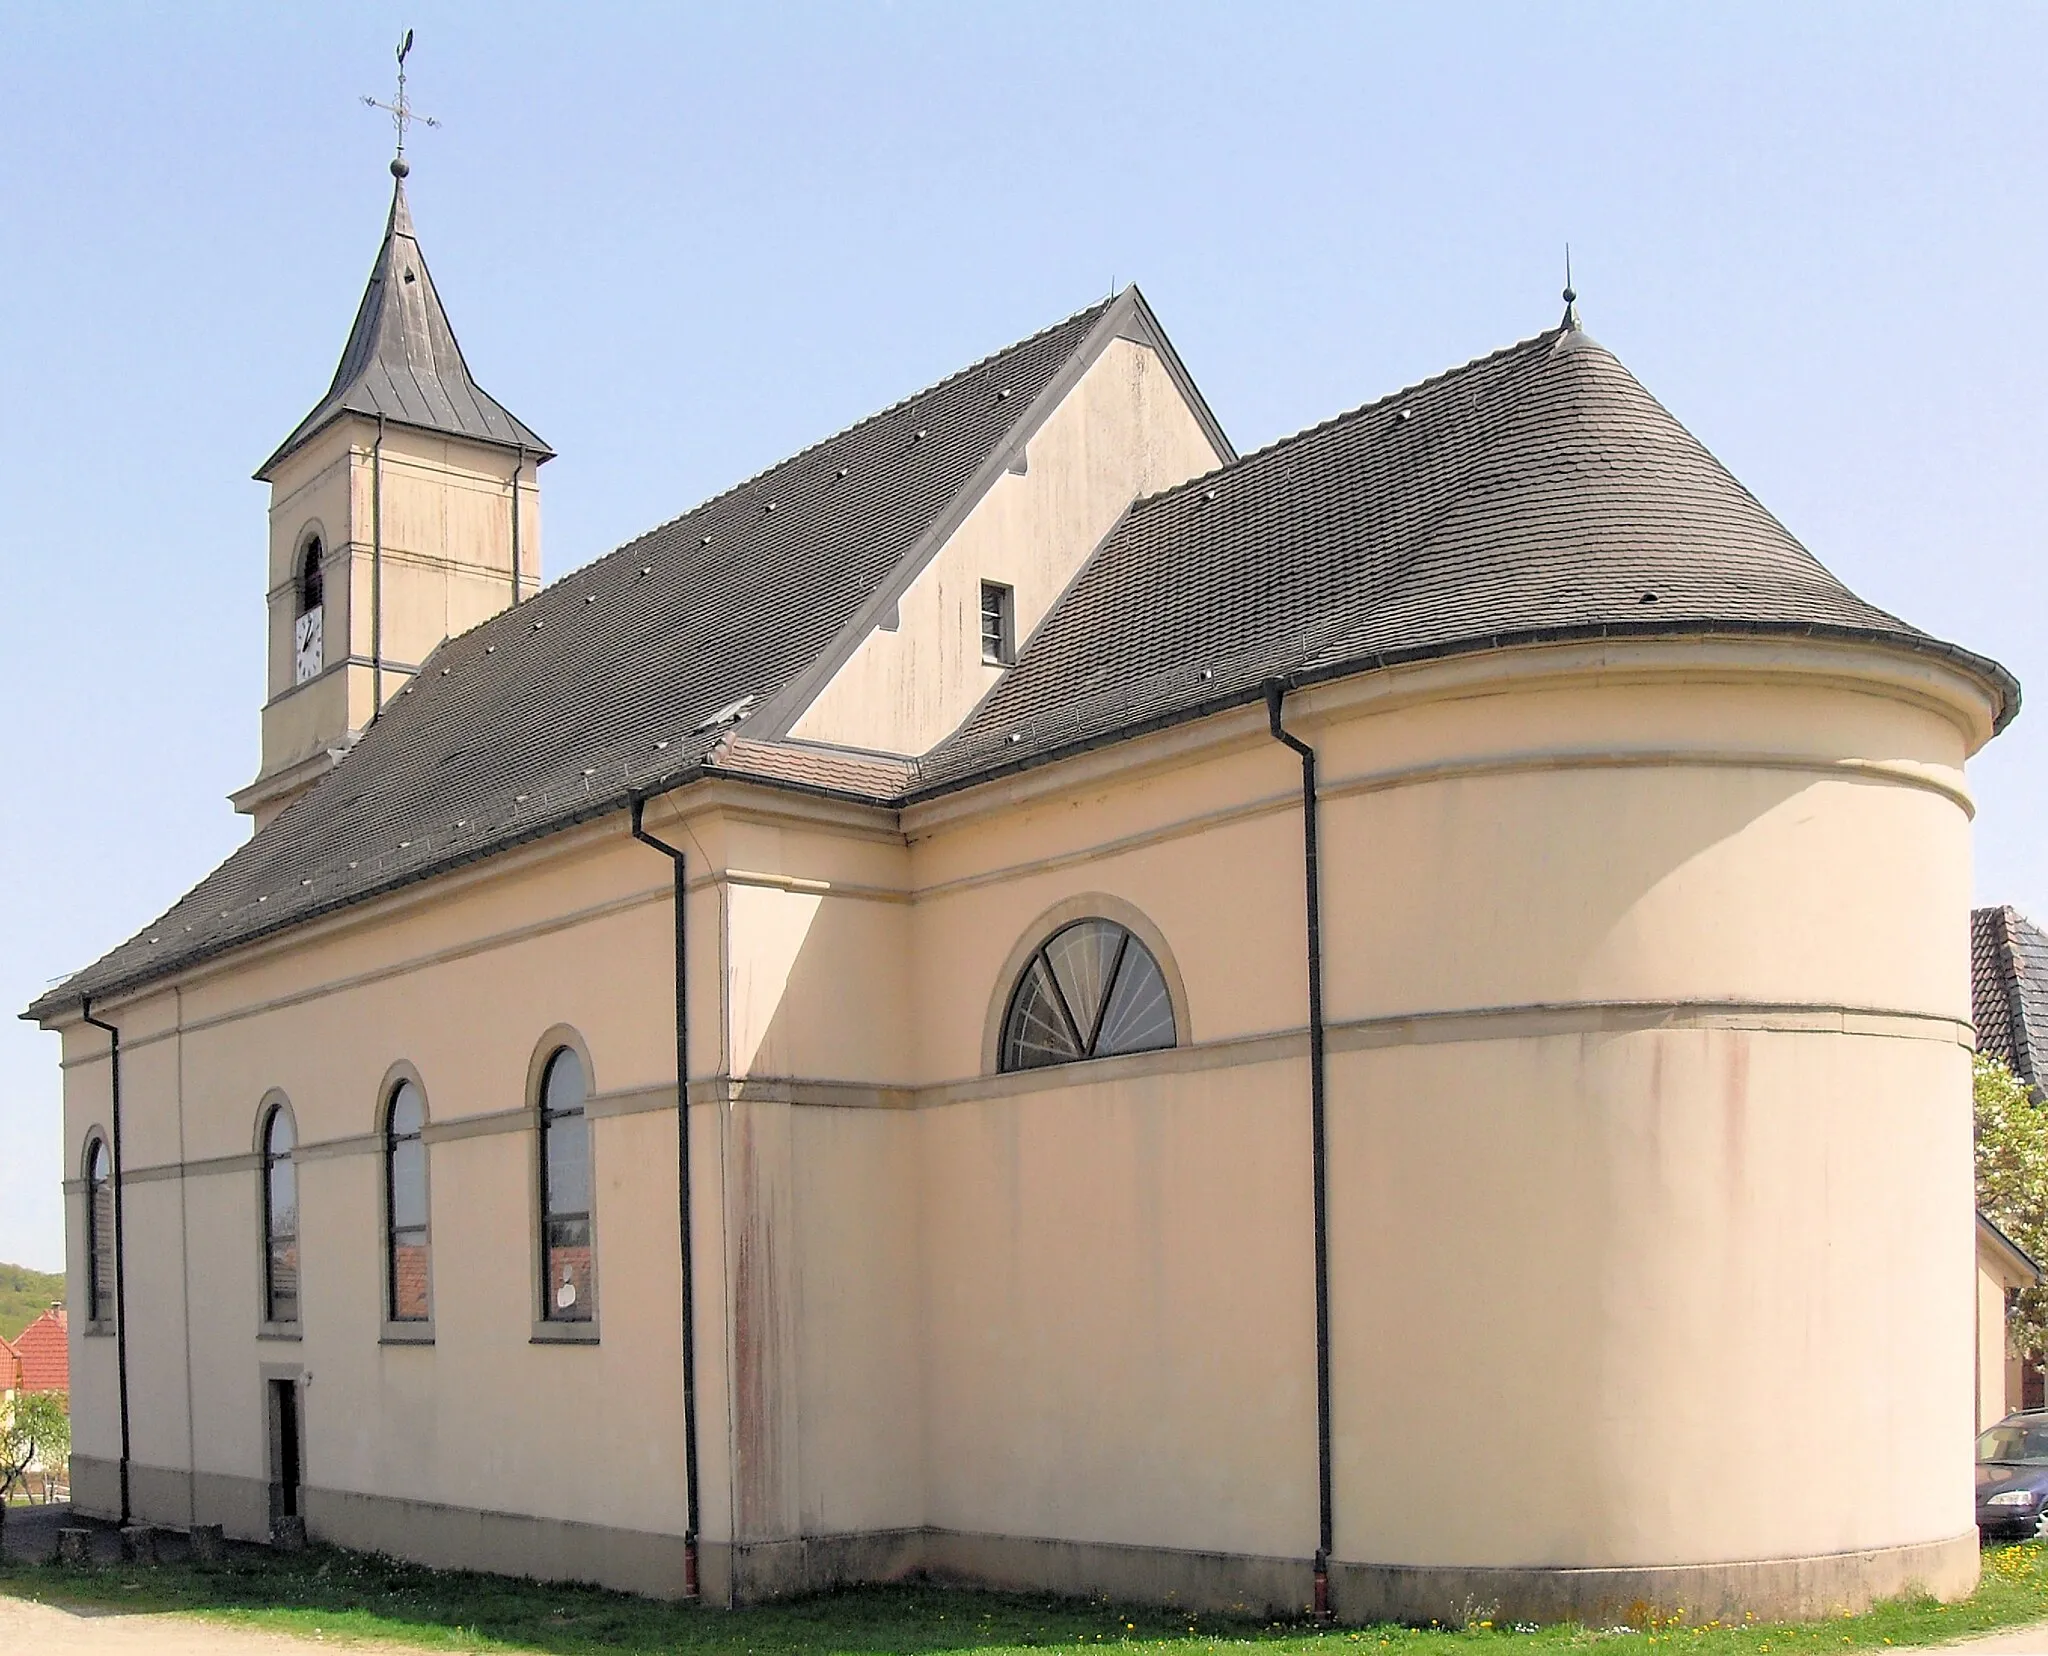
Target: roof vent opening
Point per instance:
(490, 649)
(1003, 394)
(841, 472)
(1405, 415)
(1647, 598)
(590, 597)
(768, 506)
(538, 625)
(728, 714)
(409, 276)
(646, 570)
(918, 435)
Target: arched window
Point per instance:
(1092, 990)
(310, 580)
(280, 1218)
(99, 1248)
(567, 1280)
(405, 1205)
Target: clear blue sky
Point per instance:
(682, 242)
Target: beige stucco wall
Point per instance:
(1648, 1000)
(1124, 430)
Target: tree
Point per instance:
(35, 1431)
(2012, 1184)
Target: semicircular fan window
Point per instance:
(1091, 990)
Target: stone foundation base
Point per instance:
(638, 1561)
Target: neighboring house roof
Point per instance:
(44, 1352)
(2019, 1264)
(1536, 494)
(402, 362)
(10, 1368)
(2009, 990)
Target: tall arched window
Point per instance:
(567, 1279)
(280, 1218)
(1091, 990)
(310, 578)
(99, 1248)
(405, 1205)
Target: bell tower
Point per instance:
(403, 509)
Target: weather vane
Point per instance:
(400, 110)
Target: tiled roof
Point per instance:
(2009, 990)
(560, 708)
(44, 1350)
(10, 1367)
(1539, 493)
(402, 361)
(1536, 494)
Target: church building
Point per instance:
(1025, 998)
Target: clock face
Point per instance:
(306, 654)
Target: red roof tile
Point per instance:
(44, 1352)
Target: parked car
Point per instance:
(2012, 1477)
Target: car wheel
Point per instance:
(2040, 1531)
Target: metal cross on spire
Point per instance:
(400, 110)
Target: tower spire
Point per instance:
(1571, 297)
(401, 111)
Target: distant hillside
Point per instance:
(24, 1296)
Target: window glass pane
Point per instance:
(1139, 1017)
(1036, 1032)
(564, 1087)
(284, 1278)
(1082, 956)
(100, 1265)
(568, 1289)
(566, 1145)
(284, 1197)
(278, 1137)
(408, 1111)
(408, 1185)
(409, 1276)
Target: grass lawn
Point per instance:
(352, 1596)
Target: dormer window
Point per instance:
(998, 624)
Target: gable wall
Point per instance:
(1124, 430)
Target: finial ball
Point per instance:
(398, 166)
(1570, 298)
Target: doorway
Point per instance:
(285, 1458)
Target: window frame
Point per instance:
(101, 1301)
(398, 1330)
(549, 1329)
(1082, 905)
(275, 1107)
(1005, 647)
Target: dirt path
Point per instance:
(41, 1628)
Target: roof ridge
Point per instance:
(1346, 416)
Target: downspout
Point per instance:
(377, 571)
(120, 1242)
(682, 1021)
(1311, 879)
(518, 465)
